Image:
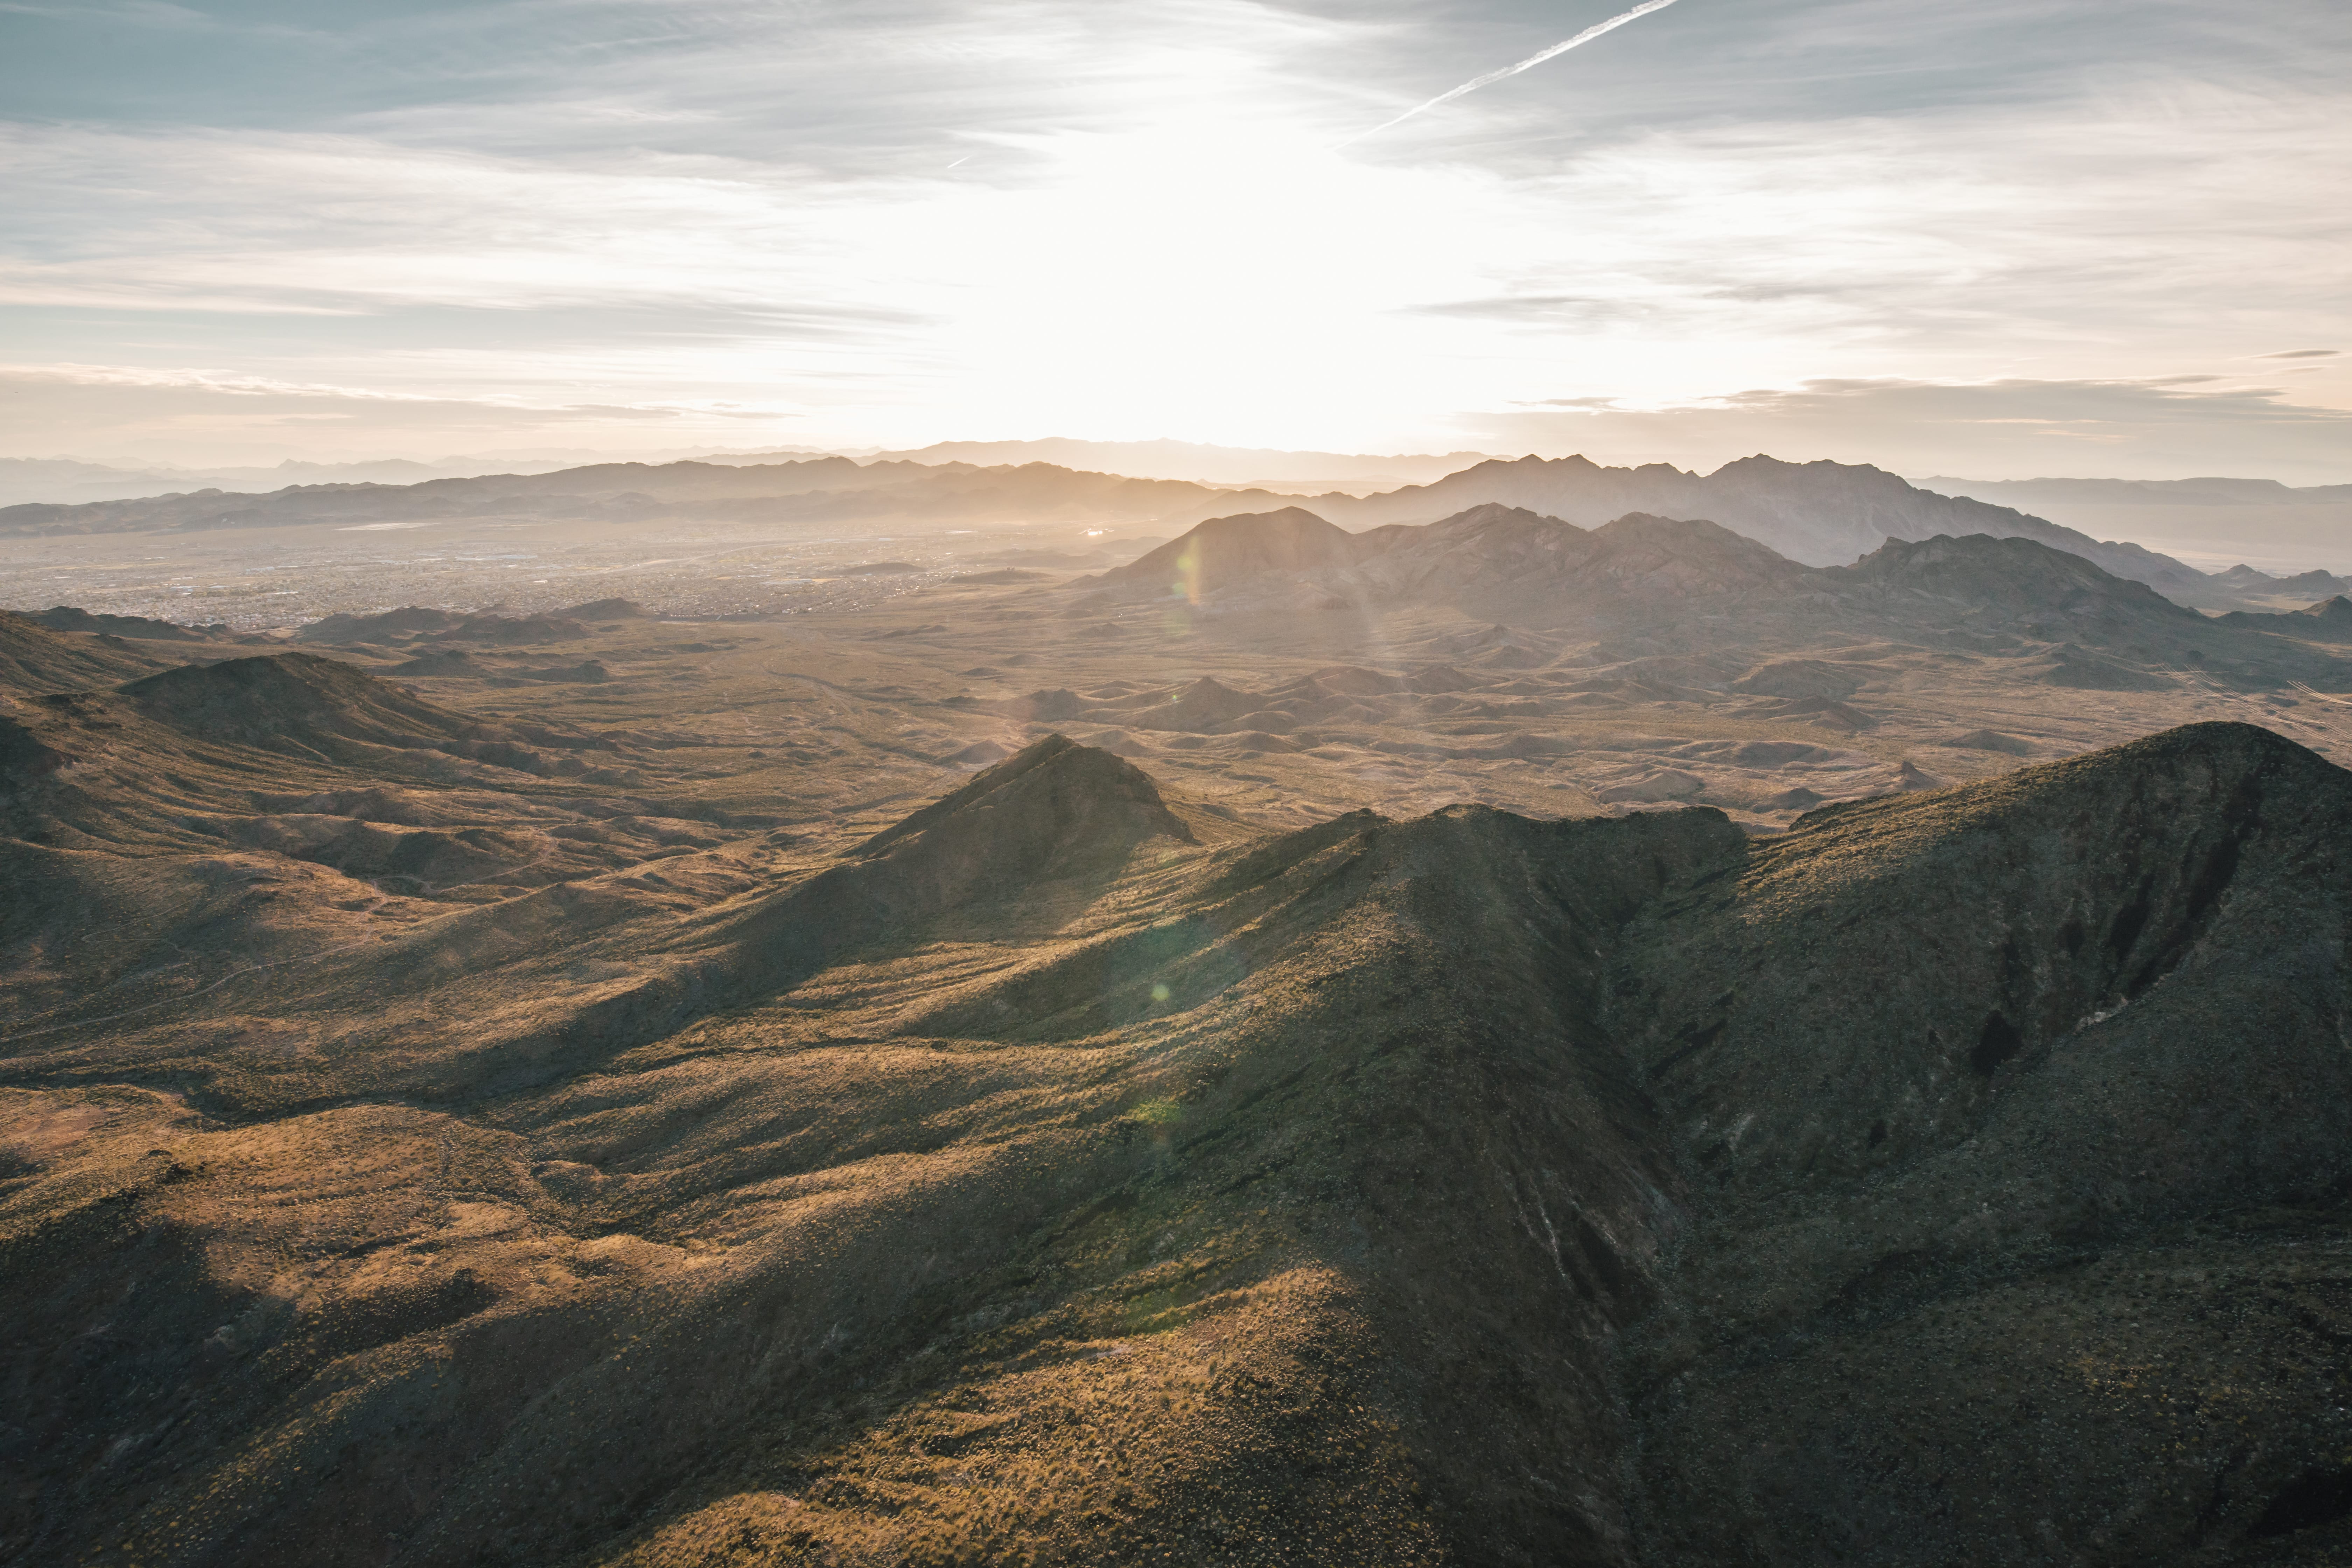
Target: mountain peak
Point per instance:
(1226, 549)
(1684, 555)
(1488, 514)
(2025, 564)
(301, 702)
(1053, 795)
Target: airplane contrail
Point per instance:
(1586, 36)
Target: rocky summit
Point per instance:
(1073, 1173)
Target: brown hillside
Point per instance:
(1224, 550)
(34, 659)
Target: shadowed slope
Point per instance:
(2013, 583)
(1650, 585)
(1513, 564)
(1964, 1080)
(1489, 559)
(296, 702)
(1031, 843)
(1054, 813)
(1824, 512)
(1168, 1218)
(303, 705)
(384, 625)
(70, 618)
(1657, 557)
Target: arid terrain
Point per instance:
(1556, 1015)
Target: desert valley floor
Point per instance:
(835, 675)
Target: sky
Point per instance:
(2001, 239)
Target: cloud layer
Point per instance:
(910, 221)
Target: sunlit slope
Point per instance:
(1073, 1174)
(193, 831)
(35, 659)
(1242, 1102)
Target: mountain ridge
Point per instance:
(2210, 491)
(1386, 1191)
(1694, 582)
(1822, 513)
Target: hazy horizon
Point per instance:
(1177, 459)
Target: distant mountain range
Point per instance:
(815, 490)
(73, 480)
(1823, 513)
(2142, 493)
(1819, 513)
(2245, 580)
(2209, 523)
(1650, 586)
(1247, 465)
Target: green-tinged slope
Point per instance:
(2007, 1109)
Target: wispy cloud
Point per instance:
(1549, 52)
(199, 415)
